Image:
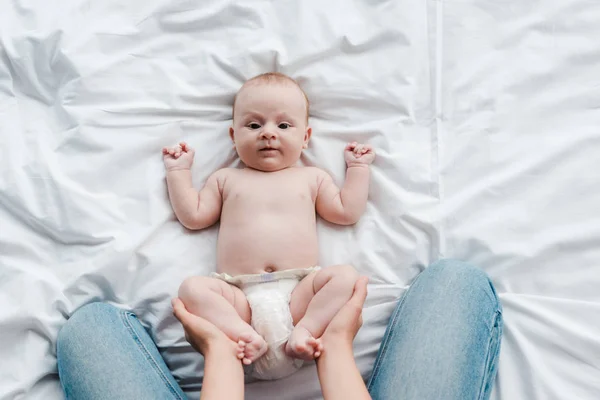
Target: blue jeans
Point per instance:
(442, 342)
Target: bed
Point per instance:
(485, 116)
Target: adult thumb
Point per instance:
(179, 310)
(360, 291)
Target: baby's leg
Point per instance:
(314, 303)
(226, 307)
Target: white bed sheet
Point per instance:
(485, 115)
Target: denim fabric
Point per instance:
(443, 339)
(105, 353)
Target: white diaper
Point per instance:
(269, 297)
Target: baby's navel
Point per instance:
(269, 269)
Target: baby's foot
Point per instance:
(251, 347)
(303, 345)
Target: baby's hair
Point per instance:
(272, 77)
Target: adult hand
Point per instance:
(201, 334)
(223, 371)
(346, 323)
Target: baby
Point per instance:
(269, 296)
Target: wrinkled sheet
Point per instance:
(486, 119)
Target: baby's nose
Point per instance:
(268, 134)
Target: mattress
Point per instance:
(486, 119)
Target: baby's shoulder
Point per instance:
(314, 174)
(225, 172)
(312, 171)
(221, 176)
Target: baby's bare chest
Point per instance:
(276, 193)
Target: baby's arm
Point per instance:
(345, 206)
(194, 210)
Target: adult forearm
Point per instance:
(355, 191)
(183, 196)
(339, 376)
(223, 376)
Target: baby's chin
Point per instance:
(267, 165)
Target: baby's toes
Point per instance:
(255, 347)
(245, 339)
(314, 346)
(300, 348)
(240, 349)
(302, 351)
(318, 348)
(309, 352)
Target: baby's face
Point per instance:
(270, 125)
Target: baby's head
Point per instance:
(270, 122)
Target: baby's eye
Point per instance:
(253, 125)
(284, 125)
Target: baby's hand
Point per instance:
(358, 154)
(178, 157)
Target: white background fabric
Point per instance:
(486, 119)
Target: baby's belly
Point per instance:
(266, 247)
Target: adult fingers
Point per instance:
(360, 292)
(190, 322)
(194, 325)
(180, 312)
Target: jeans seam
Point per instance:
(60, 372)
(384, 344)
(147, 353)
(490, 357)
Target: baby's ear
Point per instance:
(231, 134)
(307, 136)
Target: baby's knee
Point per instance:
(195, 287)
(343, 276)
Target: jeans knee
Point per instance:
(461, 276)
(447, 268)
(83, 322)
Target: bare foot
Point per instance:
(251, 347)
(303, 345)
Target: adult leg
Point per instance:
(443, 339)
(104, 352)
